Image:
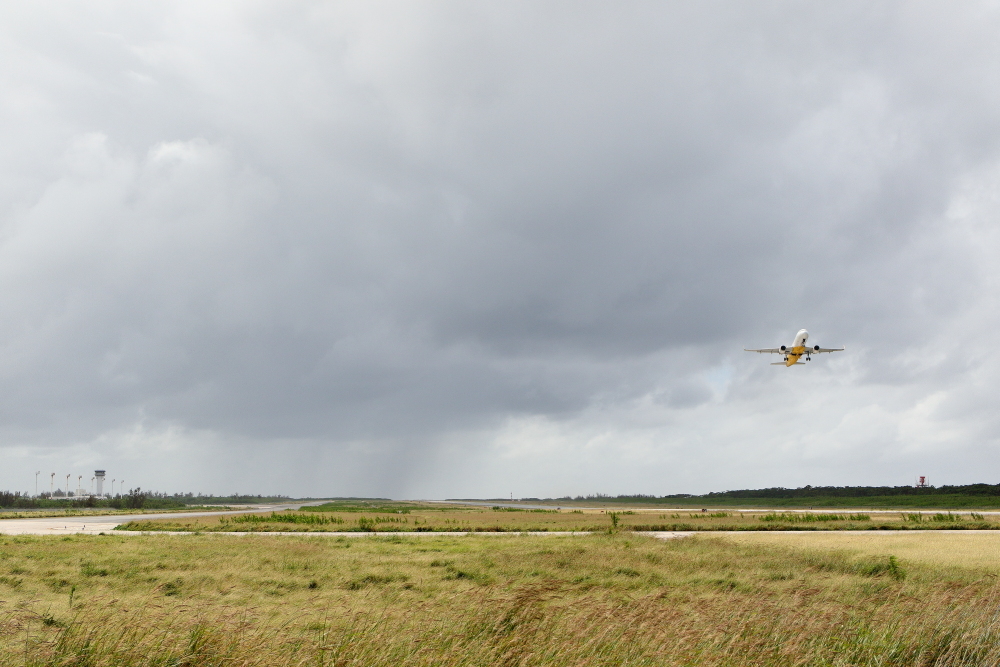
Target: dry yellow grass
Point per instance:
(969, 550)
(207, 599)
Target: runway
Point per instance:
(97, 523)
(106, 524)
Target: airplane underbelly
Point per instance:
(794, 354)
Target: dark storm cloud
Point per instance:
(436, 241)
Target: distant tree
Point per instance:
(85, 501)
(135, 499)
(15, 499)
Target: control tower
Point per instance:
(99, 474)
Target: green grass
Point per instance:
(805, 517)
(618, 599)
(308, 519)
(356, 505)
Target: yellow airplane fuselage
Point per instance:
(794, 354)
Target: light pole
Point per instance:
(91, 486)
(67, 484)
(113, 487)
(36, 482)
(52, 485)
(79, 483)
(121, 486)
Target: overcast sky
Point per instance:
(473, 249)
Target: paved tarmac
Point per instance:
(94, 524)
(97, 525)
(106, 524)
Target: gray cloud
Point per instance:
(453, 249)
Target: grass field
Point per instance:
(426, 517)
(607, 599)
(935, 549)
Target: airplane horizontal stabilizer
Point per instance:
(782, 363)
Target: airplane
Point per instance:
(796, 350)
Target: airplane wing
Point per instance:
(766, 350)
(827, 349)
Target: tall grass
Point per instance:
(528, 625)
(503, 508)
(803, 517)
(611, 599)
(285, 517)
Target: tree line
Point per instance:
(807, 491)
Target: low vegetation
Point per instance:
(605, 599)
(807, 517)
(388, 516)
